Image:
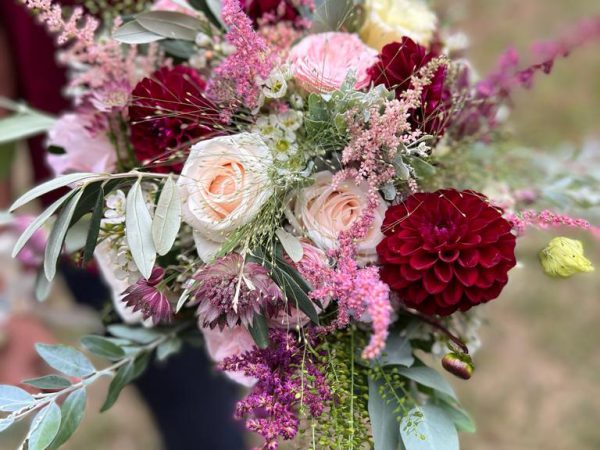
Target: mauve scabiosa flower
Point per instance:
(144, 296)
(230, 291)
(446, 251)
(168, 113)
(398, 62)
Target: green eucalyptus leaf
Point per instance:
(133, 33)
(434, 432)
(167, 218)
(13, 398)
(38, 223)
(122, 377)
(42, 286)
(44, 427)
(170, 24)
(461, 418)
(398, 351)
(23, 125)
(428, 377)
(168, 348)
(49, 382)
(384, 423)
(102, 347)
(65, 359)
(260, 331)
(138, 231)
(94, 230)
(72, 412)
(49, 186)
(58, 234)
(135, 334)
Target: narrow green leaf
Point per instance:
(57, 236)
(170, 24)
(49, 382)
(94, 230)
(138, 231)
(179, 49)
(6, 423)
(434, 432)
(259, 331)
(133, 33)
(428, 377)
(291, 244)
(44, 427)
(168, 348)
(13, 398)
(140, 364)
(42, 286)
(50, 186)
(23, 125)
(122, 377)
(102, 347)
(384, 423)
(66, 360)
(296, 289)
(136, 334)
(72, 411)
(167, 218)
(37, 223)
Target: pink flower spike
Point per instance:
(145, 297)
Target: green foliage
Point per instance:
(259, 331)
(138, 229)
(435, 430)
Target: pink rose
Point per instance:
(321, 62)
(85, 150)
(226, 343)
(170, 5)
(322, 212)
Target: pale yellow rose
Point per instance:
(322, 212)
(389, 20)
(223, 185)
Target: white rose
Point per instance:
(223, 185)
(322, 212)
(389, 20)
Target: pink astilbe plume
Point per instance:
(238, 74)
(549, 219)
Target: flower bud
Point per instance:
(563, 258)
(459, 365)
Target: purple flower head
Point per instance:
(230, 291)
(145, 297)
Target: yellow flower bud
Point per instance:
(563, 258)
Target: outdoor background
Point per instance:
(537, 379)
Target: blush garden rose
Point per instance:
(223, 185)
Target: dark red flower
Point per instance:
(270, 10)
(446, 251)
(398, 62)
(168, 112)
(145, 297)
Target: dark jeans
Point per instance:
(192, 405)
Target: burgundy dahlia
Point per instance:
(168, 113)
(270, 10)
(144, 296)
(398, 62)
(446, 251)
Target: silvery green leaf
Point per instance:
(49, 186)
(102, 347)
(168, 348)
(24, 125)
(461, 418)
(211, 9)
(6, 423)
(183, 298)
(77, 234)
(72, 412)
(384, 423)
(389, 191)
(58, 234)
(123, 376)
(167, 218)
(435, 431)
(44, 427)
(170, 24)
(42, 286)
(133, 33)
(135, 334)
(13, 398)
(66, 360)
(37, 223)
(428, 377)
(138, 231)
(398, 351)
(291, 244)
(49, 382)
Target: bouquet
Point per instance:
(298, 186)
